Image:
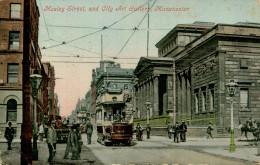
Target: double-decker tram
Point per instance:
(114, 118)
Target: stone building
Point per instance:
(205, 64)
(154, 84)
(81, 111)
(93, 92)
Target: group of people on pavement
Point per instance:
(74, 142)
(178, 131)
(139, 131)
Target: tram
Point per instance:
(114, 118)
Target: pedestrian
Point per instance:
(139, 132)
(72, 144)
(170, 129)
(183, 130)
(41, 131)
(80, 142)
(9, 135)
(148, 131)
(209, 129)
(176, 132)
(51, 141)
(89, 131)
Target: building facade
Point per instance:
(154, 84)
(206, 64)
(11, 60)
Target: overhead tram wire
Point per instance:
(83, 62)
(82, 56)
(44, 20)
(87, 27)
(102, 29)
(136, 28)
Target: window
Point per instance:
(114, 86)
(12, 73)
(204, 101)
(11, 110)
(196, 103)
(244, 98)
(14, 40)
(15, 11)
(125, 86)
(212, 102)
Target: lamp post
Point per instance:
(148, 105)
(231, 87)
(35, 80)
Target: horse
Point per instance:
(250, 127)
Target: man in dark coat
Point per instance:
(176, 132)
(89, 131)
(9, 135)
(209, 129)
(72, 144)
(183, 130)
(148, 131)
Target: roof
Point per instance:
(152, 61)
(195, 27)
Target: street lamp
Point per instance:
(148, 105)
(231, 87)
(35, 80)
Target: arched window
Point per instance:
(11, 110)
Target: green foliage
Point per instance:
(154, 120)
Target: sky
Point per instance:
(70, 34)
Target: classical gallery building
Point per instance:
(206, 64)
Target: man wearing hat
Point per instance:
(72, 144)
(183, 130)
(9, 135)
(51, 140)
(209, 129)
(89, 131)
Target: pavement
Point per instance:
(245, 151)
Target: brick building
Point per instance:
(206, 63)
(12, 58)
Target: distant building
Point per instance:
(88, 103)
(81, 111)
(56, 105)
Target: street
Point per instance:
(159, 150)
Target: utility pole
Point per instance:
(26, 135)
(174, 92)
(101, 47)
(148, 26)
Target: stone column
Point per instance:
(183, 94)
(156, 95)
(169, 84)
(189, 98)
(151, 96)
(139, 99)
